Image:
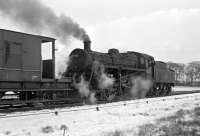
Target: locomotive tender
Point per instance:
(24, 72)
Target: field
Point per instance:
(181, 123)
(169, 116)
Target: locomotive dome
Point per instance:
(113, 51)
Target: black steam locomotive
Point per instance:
(124, 68)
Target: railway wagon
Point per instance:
(23, 71)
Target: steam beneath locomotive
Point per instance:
(140, 87)
(104, 81)
(83, 86)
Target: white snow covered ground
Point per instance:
(87, 121)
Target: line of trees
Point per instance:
(186, 74)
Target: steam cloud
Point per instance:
(92, 98)
(35, 16)
(104, 82)
(140, 87)
(83, 88)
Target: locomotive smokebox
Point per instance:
(87, 43)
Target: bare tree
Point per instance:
(192, 71)
(179, 70)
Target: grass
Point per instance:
(182, 123)
(47, 129)
(7, 132)
(197, 111)
(115, 133)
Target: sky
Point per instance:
(166, 29)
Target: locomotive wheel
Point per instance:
(169, 90)
(152, 92)
(164, 90)
(155, 91)
(107, 95)
(161, 90)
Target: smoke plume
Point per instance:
(140, 87)
(37, 17)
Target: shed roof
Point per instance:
(43, 38)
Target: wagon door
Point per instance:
(12, 61)
(13, 58)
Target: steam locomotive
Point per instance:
(124, 68)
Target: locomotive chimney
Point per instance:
(87, 43)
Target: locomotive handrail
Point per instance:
(127, 68)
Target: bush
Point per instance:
(47, 129)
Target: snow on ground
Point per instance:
(185, 88)
(87, 121)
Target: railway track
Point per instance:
(34, 106)
(98, 107)
(49, 104)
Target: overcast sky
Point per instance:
(169, 30)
